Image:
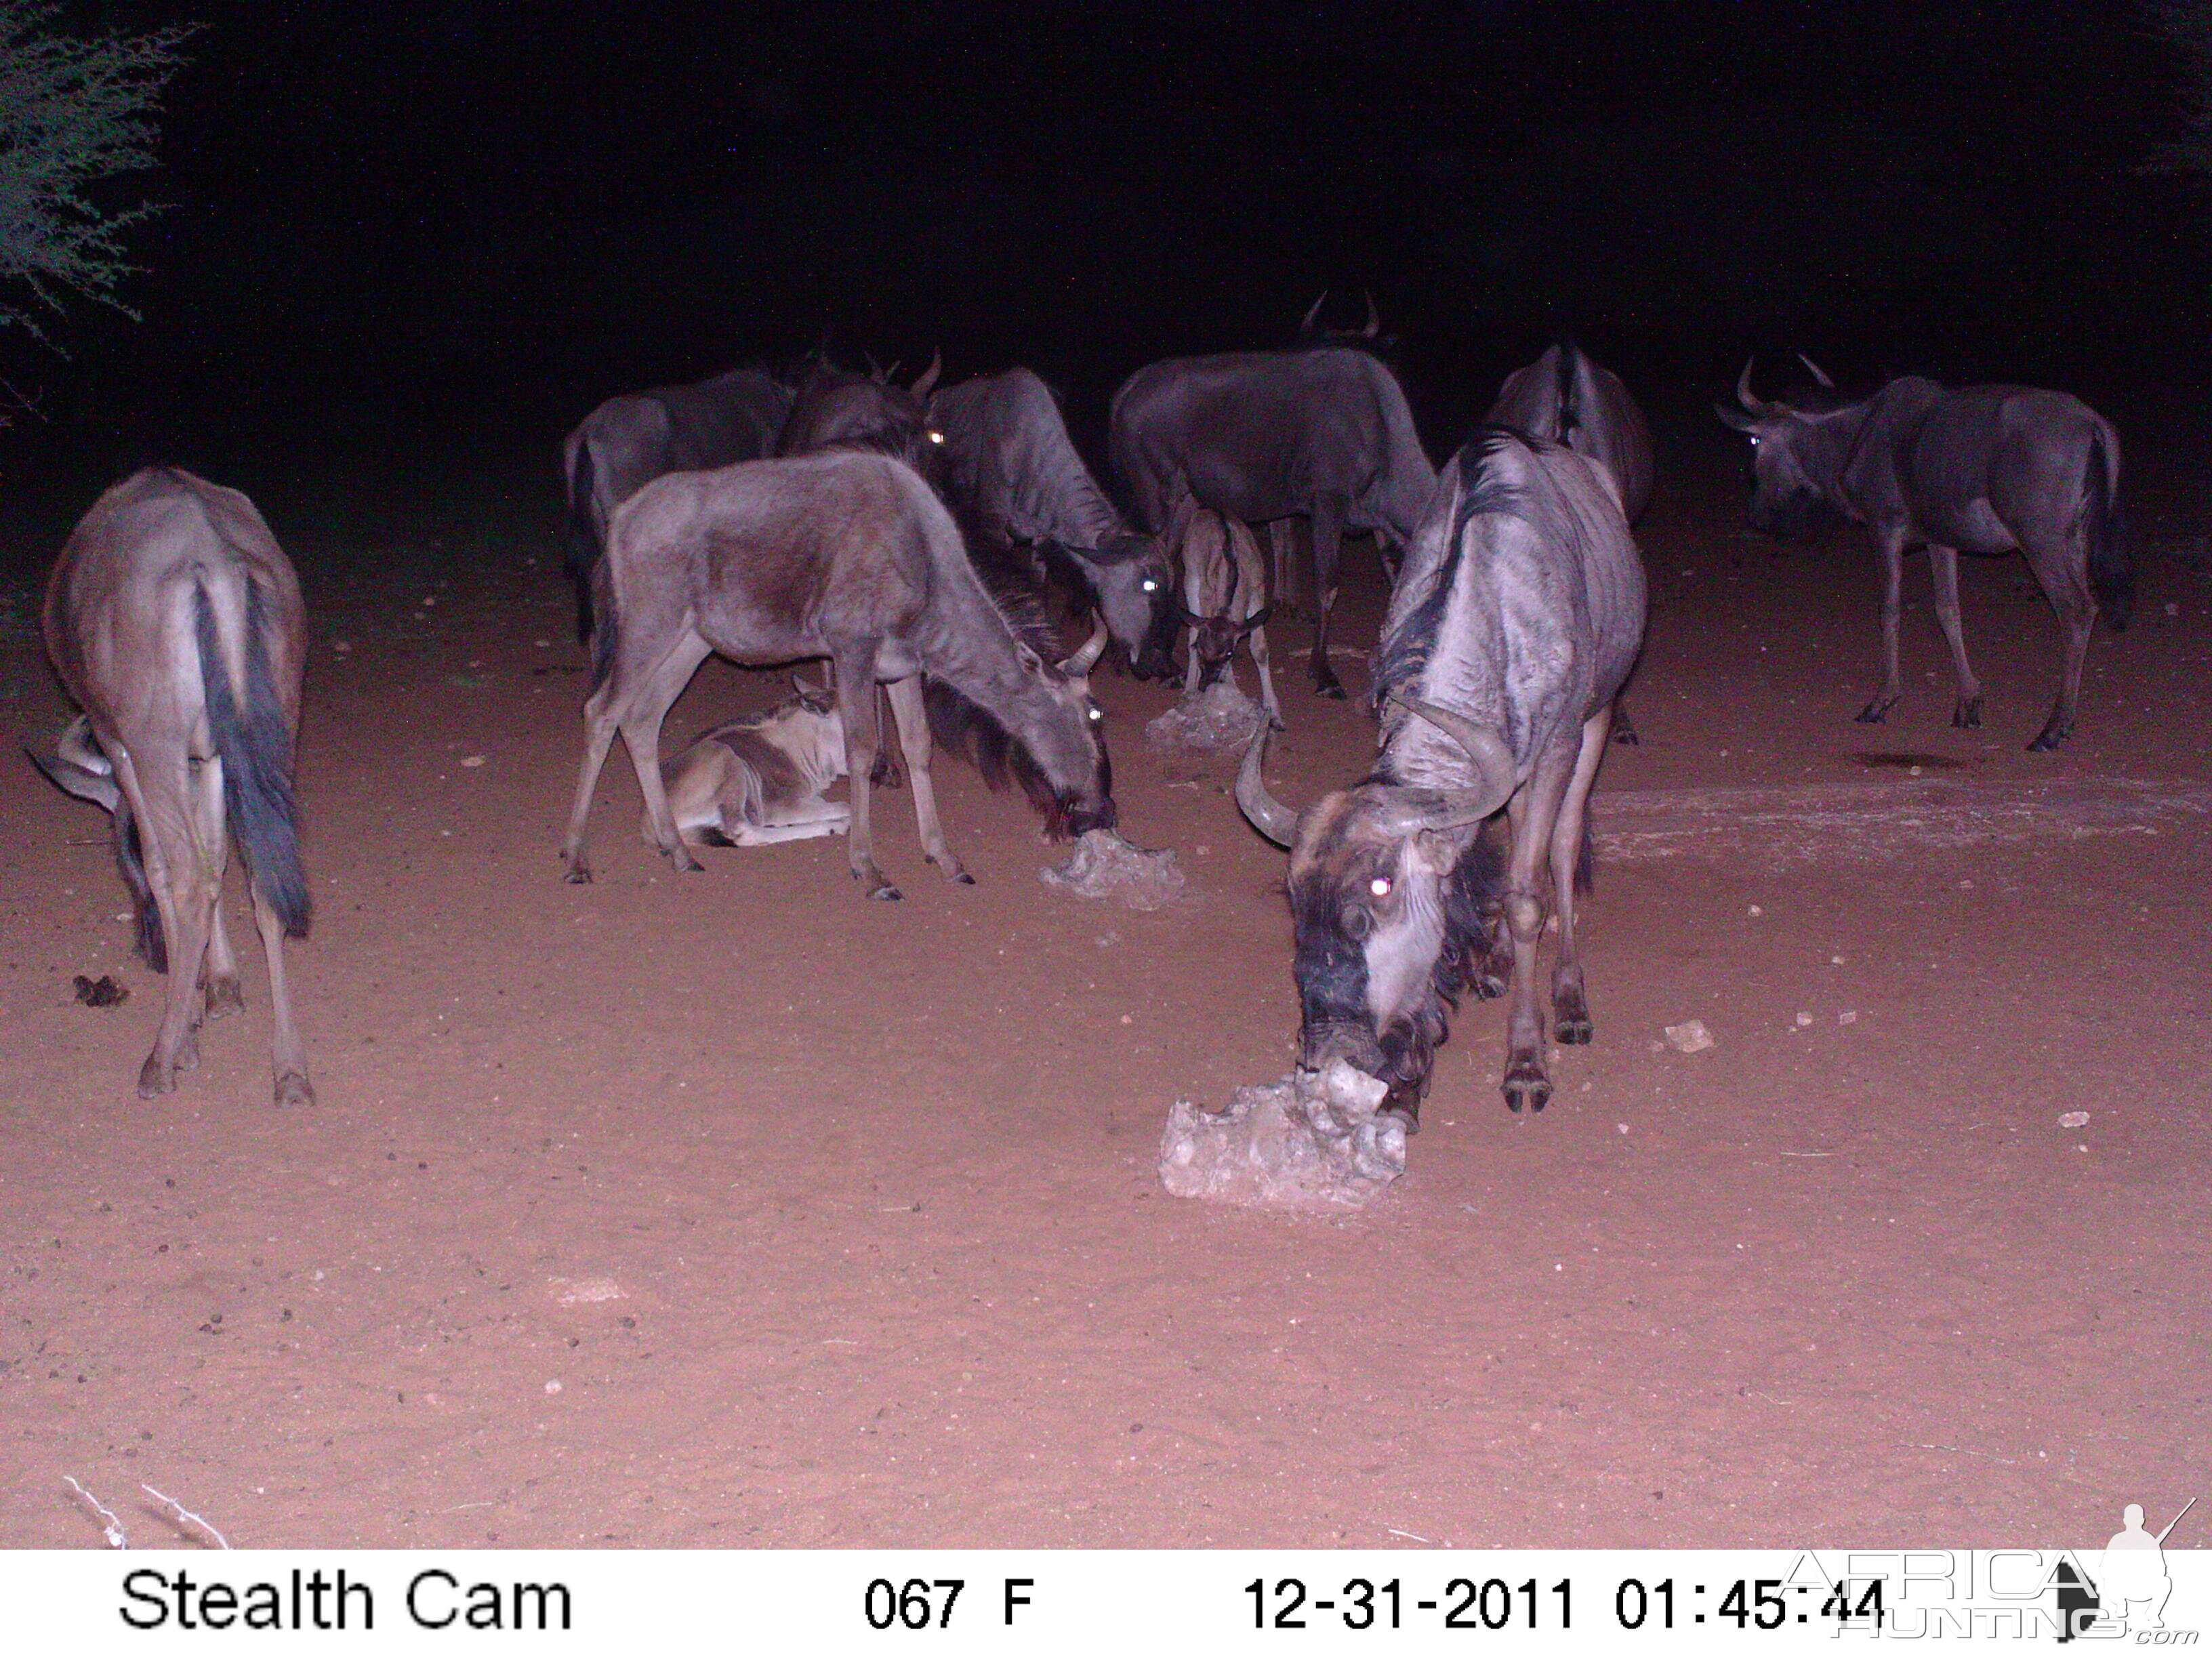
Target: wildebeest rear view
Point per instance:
(1985, 469)
(175, 622)
(1566, 399)
(1513, 626)
(1322, 432)
(845, 555)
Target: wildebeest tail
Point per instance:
(2110, 579)
(256, 747)
(606, 628)
(585, 552)
(1567, 398)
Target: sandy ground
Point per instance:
(733, 1210)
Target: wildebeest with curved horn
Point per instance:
(628, 441)
(1982, 469)
(842, 409)
(1515, 622)
(844, 554)
(1321, 433)
(175, 622)
(1012, 477)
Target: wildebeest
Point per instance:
(1013, 478)
(1566, 399)
(1517, 617)
(845, 555)
(843, 409)
(1322, 432)
(1984, 469)
(1225, 602)
(628, 441)
(176, 624)
(752, 781)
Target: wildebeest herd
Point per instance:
(908, 534)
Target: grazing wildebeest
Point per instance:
(845, 555)
(628, 441)
(843, 409)
(1225, 601)
(758, 779)
(175, 622)
(1566, 399)
(1985, 469)
(1012, 477)
(1516, 619)
(1321, 433)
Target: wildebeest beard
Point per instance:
(965, 727)
(1330, 965)
(1801, 514)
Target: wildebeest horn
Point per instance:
(1268, 815)
(1374, 318)
(1743, 392)
(1493, 764)
(1312, 311)
(929, 379)
(1086, 656)
(1816, 372)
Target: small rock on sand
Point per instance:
(1690, 1036)
(1308, 1143)
(1104, 865)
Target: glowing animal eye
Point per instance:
(1380, 887)
(935, 436)
(1098, 715)
(1151, 586)
(1754, 441)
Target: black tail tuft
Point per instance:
(607, 630)
(150, 944)
(256, 746)
(584, 549)
(2110, 579)
(1567, 393)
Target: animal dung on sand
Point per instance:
(1103, 866)
(1220, 717)
(1312, 1142)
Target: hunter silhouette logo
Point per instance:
(2131, 1584)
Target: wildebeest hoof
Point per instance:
(1876, 712)
(885, 772)
(1627, 734)
(1526, 1085)
(1330, 688)
(1569, 1028)
(884, 890)
(963, 878)
(1966, 713)
(680, 856)
(291, 1090)
(1275, 723)
(155, 1078)
(224, 996)
(580, 874)
(2050, 738)
(1407, 1112)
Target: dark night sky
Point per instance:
(452, 228)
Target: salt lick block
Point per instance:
(1309, 1143)
(1103, 866)
(1220, 717)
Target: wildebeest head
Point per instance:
(1388, 886)
(1137, 602)
(1786, 499)
(1053, 743)
(840, 408)
(1214, 640)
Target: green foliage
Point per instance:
(74, 111)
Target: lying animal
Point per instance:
(748, 782)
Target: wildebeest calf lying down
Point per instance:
(844, 554)
(175, 622)
(752, 781)
(1514, 623)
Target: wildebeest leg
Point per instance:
(1570, 1020)
(222, 994)
(914, 740)
(1283, 547)
(1327, 550)
(855, 668)
(1624, 729)
(290, 1055)
(886, 775)
(1892, 552)
(2062, 570)
(1266, 678)
(599, 721)
(651, 696)
(183, 895)
(1535, 810)
(1943, 569)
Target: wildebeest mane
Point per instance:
(1405, 650)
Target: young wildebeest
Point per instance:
(847, 556)
(175, 624)
(1985, 469)
(1564, 397)
(628, 441)
(752, 781)
(1516, 619)
(1013, 479)
(1224, 601)
(1320, 433)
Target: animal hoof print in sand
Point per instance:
(1966, 714)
